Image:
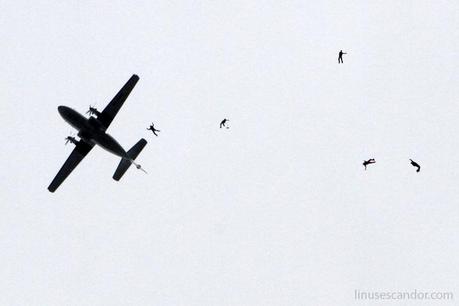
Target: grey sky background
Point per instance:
(277, 210)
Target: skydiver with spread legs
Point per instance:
(152, 128)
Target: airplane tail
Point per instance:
(126, 163)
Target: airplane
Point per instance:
(92, 131)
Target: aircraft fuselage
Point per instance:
(91, 131)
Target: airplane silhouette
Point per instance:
(368, 162)
(92, 131)
(415, 164)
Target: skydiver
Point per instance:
(340, 56)
(222, 124)
(415, 164)
(152, 128)
(368, 162)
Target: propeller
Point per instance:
(92, 111)
(71, 138)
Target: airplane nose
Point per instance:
(62, 109)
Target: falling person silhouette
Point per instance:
(340, 57)
(415, 164)
(368, 162)
(152, 128)
(224, 121)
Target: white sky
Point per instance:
(277, 210)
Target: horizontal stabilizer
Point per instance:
(126, 163)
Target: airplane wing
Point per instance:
(110, 111)
(81, 150)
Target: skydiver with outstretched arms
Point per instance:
(152, 128)
(368, 162)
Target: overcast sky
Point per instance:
(276, 210)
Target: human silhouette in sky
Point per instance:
(152, 128)
(368, 162)
(224, 121)
(415, 164)
(340, 57)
